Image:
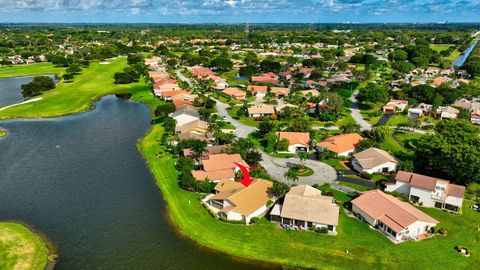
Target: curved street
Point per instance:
(276, 167)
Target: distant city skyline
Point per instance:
(239, 11)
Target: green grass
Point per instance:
(440, 47)
(354, 186)
(3, 133)
(32, 69)
(306, 171)
(20, 249)
(368, 249)
(249, 121)
(397, 119)
(454, 55)
(68, 98)
(335, 163)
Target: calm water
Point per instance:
(80, 180)
(463, 57)
(11, 89)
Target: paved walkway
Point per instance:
(25, 102)
(276, 167)
(357, 116)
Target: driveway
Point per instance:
(276, 167)
(357, 116)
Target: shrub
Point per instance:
(232, 221)
(323, 230)
(366, 175)
(254, 220)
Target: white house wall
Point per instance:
(399, 187)
(424, 195)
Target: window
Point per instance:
(330, 228)
(414, 199)
(438, 205)
(385, 169)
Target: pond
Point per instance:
(11, 89)
(80, 180)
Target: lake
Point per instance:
(80, 180)
(11, 89)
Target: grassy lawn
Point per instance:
(440, 47)
(32, 69)
(68, 98)
(354, 186)
(244, 120)
(368, 249)
(397, 119)
(335, 163)
(20, 249)
(305, 171)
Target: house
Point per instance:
(431, 71)
(210, 150)
(396, 219)
(395, 105)
(448, 112)
(261, 110)
(440, 80)
(428, 191)
(280, 91)
(235, 201)
(184, 116)
(197, 130)
(343, 144)
(235, 93)
(419, 110)
(298, 141)
(475, 116)
(463, 103)
(269, 77)
(374, 160)
(168, 95)
(258, 90)
(219, 167)
(306, 207)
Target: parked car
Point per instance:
(476, 208)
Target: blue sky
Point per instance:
(234, 11)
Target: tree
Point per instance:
(374, 93)
(473, 67)
(253, 157)
(381, 133)
(403, 66)
(291, 176)
(332, 103)
(134, 58)
(303, 156)
(164, 110)
(275, 144)
(279, 189)
(198, 147)
(73, 69)
(185, 165)
(300, 125)
(221, 63)
(350, 128)
(451, 152)
(265, 127)
(399, 55)
(67, 76)
(406, 165)
(38, 85)
(268, 65)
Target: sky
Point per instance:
(239, 11)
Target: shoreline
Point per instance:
(52, 254)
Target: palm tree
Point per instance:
(303, 156)
(291, 175)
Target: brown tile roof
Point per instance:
(373, 157)
(455, 190)
(213, 175)
(225, 185)
(308, 204)
(280, 90)
(257, 88)
(261, 109)
(247, 200)
(211, 150)
(394, 213)
(223, 161)
(235, 93)
(302, 138)
(341, 143)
